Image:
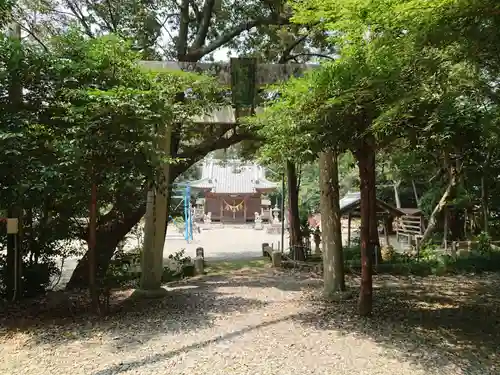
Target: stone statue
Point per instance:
(207, 218)
(258, 222)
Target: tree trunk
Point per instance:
(293, 204)
(396, 194)
(440, 207)
(13, 268)
(130, 207)
(107, 239)
(333, 264)
(366, 163)
(417, 199)
(374, 237)
(156, 218)
(484, 204)
(445, 228)
(93, 290)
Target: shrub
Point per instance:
(125, 270)
(428, 252)
(388, 253)
(484, 246)
(434, 263)
(352, 253)
(35, 277)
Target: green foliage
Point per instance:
(309, 189)
(429, 262)
(86, 113)
(185, 267)
(37, 277)
(434, 100)
(484, 246)
(125, 268)
(352, 254)
(5, 11)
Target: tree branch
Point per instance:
(102, 14)
(111, 17)
(286, 56)
(207, 11)
(294, 57)
(32, 34)
(79, 15)
(196, 54)
(195, 153)
(182, 40)
(167, 17)
(196, 10)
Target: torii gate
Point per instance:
(263, 74)
(244, 76)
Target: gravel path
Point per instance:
(252, 322)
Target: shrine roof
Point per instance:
(351, 202)
(232, 177)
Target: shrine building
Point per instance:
(233, 191)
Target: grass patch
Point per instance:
(227, 266)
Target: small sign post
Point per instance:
(12, 226)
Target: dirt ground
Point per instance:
(251, 319)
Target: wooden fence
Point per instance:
(468, 246)
(409, 227)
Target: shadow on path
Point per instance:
(158, 357)
(435, 322)
(61, 318)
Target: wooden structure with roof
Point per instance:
(233, 191)
(350, 206)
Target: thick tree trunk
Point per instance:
(293, 204)
(374, 237)
(366, 160)
(107, 239)
(333, 264)
(156, 219)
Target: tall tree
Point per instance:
(333, 263)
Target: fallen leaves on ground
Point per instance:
(450, 319)
(432, 320)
